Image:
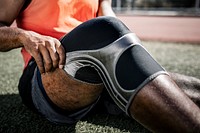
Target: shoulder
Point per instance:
(9, 10)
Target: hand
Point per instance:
(47, 51)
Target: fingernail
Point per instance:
(61, 66)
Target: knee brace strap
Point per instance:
(123, 65)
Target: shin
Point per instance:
(162, 107)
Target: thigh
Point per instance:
(69, 93)
(61, 99)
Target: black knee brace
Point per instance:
(108, 46)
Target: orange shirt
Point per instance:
(55, 17)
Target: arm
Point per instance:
(9, 39)
(47, 51)
(105, 8)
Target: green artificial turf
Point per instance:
(15, 117)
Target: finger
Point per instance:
(53, 53)
(46, 58)
(62, 55)
(39, 62)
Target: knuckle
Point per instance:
(56, 59)
(39, 63)
(48, 63)
(61, 51)
(35, 52)
(51, 45)
(48, 67)
(57, 41)
(47, 43)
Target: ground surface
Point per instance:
(14, 117)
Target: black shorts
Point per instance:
(25, 85)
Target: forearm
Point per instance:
(10, 38)
(105, 8)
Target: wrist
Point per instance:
(23, 35)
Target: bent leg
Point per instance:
(162, 107)
(130, 72)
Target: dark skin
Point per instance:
(73, 94)
(190, 86)
(161, 106)
(157, 106)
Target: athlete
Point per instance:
(65, 82)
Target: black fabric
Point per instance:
(134, 66)
(25, 84)
(26, 4)
(88, 74)
(91, 35)
(94, 34)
